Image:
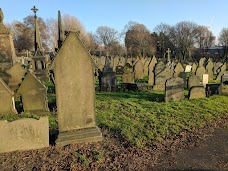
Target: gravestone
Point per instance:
(197, 92)
(138, 70)
(200, 71)
(202, 62)
(119, 69)
(209, 69)
(16, 72)
(183, 75)
(188, 68)
(194, 80)
(194, 66)
(7, 51)
(221, 70)
(75, 93)
(162, 73)
(146, 68)
(213, 88)
(217, 65)
(178, 69)
(24, 134)
(152, 64)
(205, 79)
(128, 75)
(33, 94)
(174, 89)
(7, 104)
(151, 78)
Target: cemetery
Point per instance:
(79, 111)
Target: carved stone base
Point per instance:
(78, 136)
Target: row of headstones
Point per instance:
(174, 89)
(159, 72)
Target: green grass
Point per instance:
(139, 118)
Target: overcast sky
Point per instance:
(117, 13)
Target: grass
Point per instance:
(140, 118)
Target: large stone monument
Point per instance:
(73, 69)
(7, 51)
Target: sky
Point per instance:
(117, 13)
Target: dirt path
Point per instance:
(210, 154)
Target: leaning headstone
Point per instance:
(33, 94)
(75, 93)
(174, 89)
(194, 80)
(197, 92)
(16, 72)
(205, 79)
(138, 70)
(24, 134)
(7, 104)
(178, 69)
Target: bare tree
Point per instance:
(106, 36)
(223, 40)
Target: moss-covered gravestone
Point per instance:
(34, 94)
(174, 89)
(7, 104)
(75, 93)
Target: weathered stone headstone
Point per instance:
(183, 75)
(146, 68)
(75, 93)
(33, 94)
(197, 92)
(16, 72)
(209, 69)
(178, 69)
(153, 62)
(151, 78)
(205, 79)
(174, 89)
(225, 79)
(138, 69)
(24, 134)
(128, 75)
(202, 62)
(194, 80)
(7, 104)
(217, 65)
(194, 66)
(200, 71)
(162, 73)
(188, 68)
(222, 70)
(119, 69)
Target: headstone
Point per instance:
(200, 71)
(162, 73)
(183, 75)
(205, 79)
(174, 89)
(119, 69)
(222, 70)
(197, 92)
(178, 69)
(152, 64)
(202, 62)
(75, 93)
(33, 94)
(24, 134)
(217, 65)
(146, 68)
(16, 72)
(194, 80)
(194, 66)
(151, 78)
(188, 68)
(168, 55)
(7, 104)
(209, 69)
(138, 70)
(213, 88)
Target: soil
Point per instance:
(199, 149)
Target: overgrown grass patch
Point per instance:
(139, 118)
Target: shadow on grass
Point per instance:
(134, 96)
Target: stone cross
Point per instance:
(1, 16)
(168, 52)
